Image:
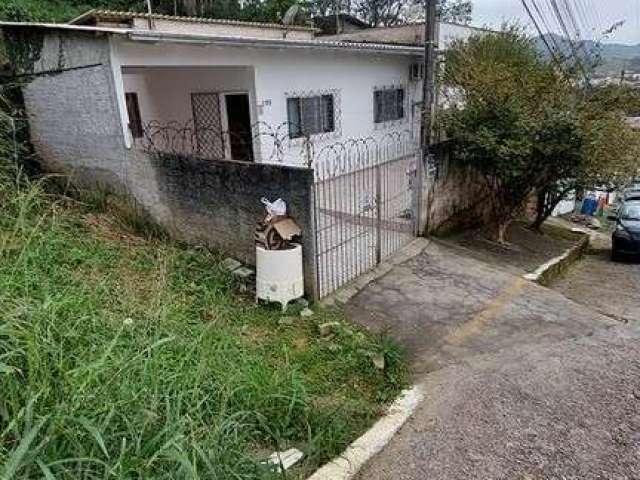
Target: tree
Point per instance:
(457, 11)
(607, 158)
(516, 121)
(393, 12)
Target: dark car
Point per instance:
(626, 237)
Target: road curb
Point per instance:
(546, 273)
(347, 465)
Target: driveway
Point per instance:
(445, 306)
(520, 381)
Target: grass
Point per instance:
(127, 356)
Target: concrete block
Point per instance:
(378, 361)
(243, 272)
(230, 264)
(285, 460)
(328, 328)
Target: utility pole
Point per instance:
(428, 95)
(428, 85)
(150, 14)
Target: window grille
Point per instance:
(310, 115)
(388, 105)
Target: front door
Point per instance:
(239, 126)
(208, 126)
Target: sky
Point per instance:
(598, 12)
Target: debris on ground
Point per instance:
(284, 460)
(230, 264)
(594, 223)
(586, 220)
(378, 361)
(328, 328)
(243, 272)
(306, 312)
(287, 321)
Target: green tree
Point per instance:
(393, 12)
(529, 129)
(608, 158)
(515, 121)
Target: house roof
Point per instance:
(408, 34)
(186, 38)
(92, 16)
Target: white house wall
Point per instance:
(351, 76)
(164, 94)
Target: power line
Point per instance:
(570, 19)
(541, 34)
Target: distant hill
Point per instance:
(610, 58)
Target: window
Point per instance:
(388, 105)
(133, 110)
(310, 115)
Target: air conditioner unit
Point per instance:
(416, 71)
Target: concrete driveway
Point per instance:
(520, 382)
(445, 306)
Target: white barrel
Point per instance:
(279, 274)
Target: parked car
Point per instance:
(630, 194)
(626, 236)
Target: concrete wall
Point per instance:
(218, 202)
(352, 76)
(457, 196)
(164, 94)
(73, 119)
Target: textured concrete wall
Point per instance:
(70, 103)
(458, 197)
(218, 202)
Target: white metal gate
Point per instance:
(365, 206)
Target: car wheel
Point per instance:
(615, 255)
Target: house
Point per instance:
(197, 119)
(240, 83)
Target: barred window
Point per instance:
(388, 105)
(310, 115)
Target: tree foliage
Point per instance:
(527, 128)
(373, 12)
(393, 12)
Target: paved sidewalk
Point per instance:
(445, 306)
(520, 382)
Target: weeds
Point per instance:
(122, 360)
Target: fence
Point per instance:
(363, 195)
(264, 142)
(365, 200)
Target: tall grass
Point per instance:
(124, 357)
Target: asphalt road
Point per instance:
(568, 410)
(611, 288)
(521, 382)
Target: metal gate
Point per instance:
(365, 197)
